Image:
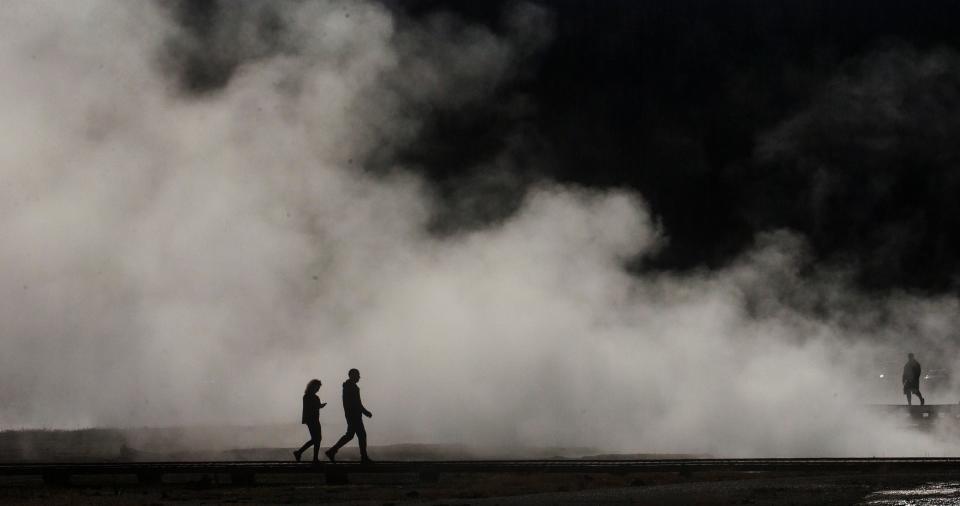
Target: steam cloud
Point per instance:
(174, 258)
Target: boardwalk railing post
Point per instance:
(336, 477)
(244, 477)
(149, 477)
(58, 478)
(429, 475)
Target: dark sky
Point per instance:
(835, 119)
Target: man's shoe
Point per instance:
(366, 460)
(332, 455)
(922, 402)
(296, 455)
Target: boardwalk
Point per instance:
(246, 472)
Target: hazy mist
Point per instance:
(173, 258)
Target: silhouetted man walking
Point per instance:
(911, 379)
(354, 411)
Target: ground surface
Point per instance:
(813, 487)
(520, 489)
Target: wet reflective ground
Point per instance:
(927, 494)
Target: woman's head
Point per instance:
(313, 386)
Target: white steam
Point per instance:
(175, 260)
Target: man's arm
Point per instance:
(363, 409)
(352, 402)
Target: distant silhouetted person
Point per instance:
(311, 418)
(911, 379)
(354, 411)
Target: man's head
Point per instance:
(354, 375)
(909, 356)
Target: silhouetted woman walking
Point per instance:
(311, 418)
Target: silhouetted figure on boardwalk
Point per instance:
(354, 411)
(311, 418)
(911, 379)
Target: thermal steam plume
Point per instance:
(176, 255)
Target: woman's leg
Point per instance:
(297, 453)
(313, 441)
(305, 446)
(316, 435)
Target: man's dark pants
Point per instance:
(912, 388)
(354, 427)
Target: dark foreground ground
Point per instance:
(712, 488)
(877, 486)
